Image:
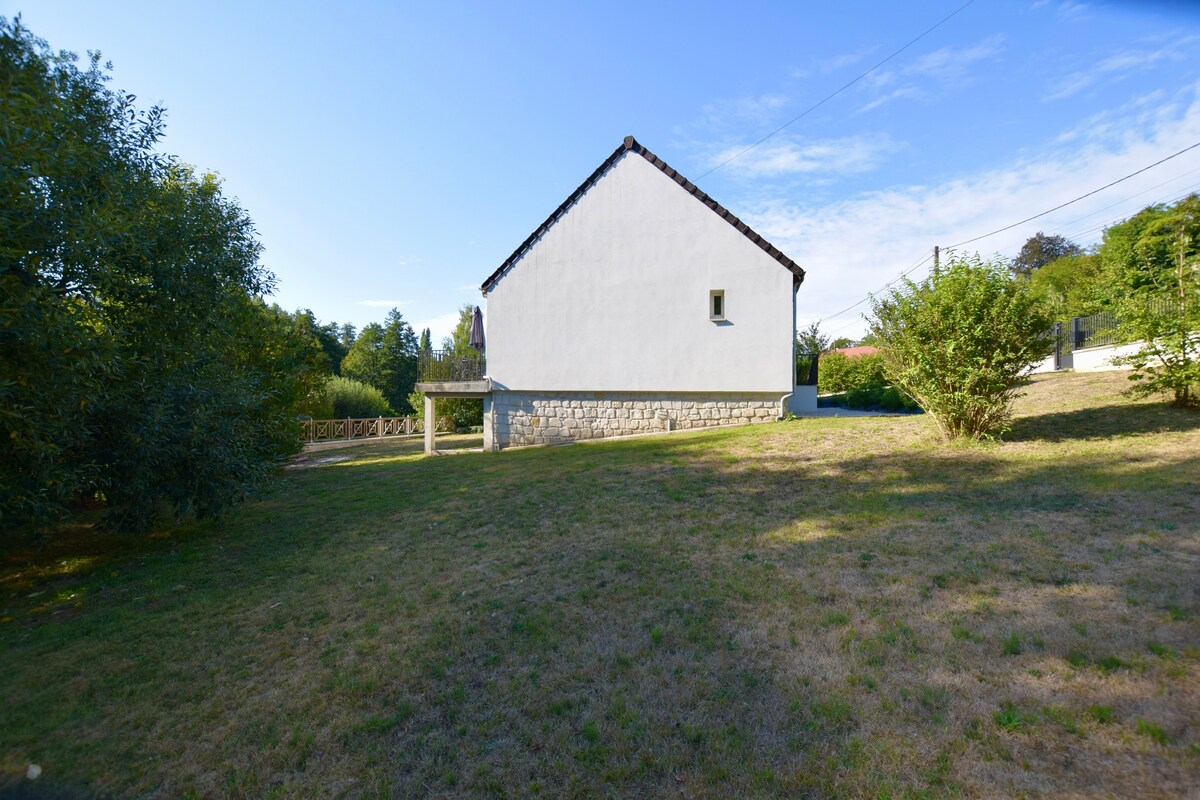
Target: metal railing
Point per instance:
(332, 430)
(1098, 330)
(445, 365)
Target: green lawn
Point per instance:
(835, 607)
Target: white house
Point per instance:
(639, 305)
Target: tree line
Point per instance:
(140, 368)
(373, 372)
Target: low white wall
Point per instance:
(1045, 365)
(1098, 359)
(803, 400)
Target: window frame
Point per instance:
(713, 296)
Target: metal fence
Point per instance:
(1098, 330)
(806, 368)
(445, 365)
(331, 430)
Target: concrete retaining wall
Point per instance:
(525, 418)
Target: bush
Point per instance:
(960, 341)
(840, 373)
(347, 397)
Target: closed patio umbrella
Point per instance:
(476, 339)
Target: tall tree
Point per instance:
(1039, 250)
(400, 356)
(366, 362)
(1151, 265)
(346, 336)
(1072, 286)
(133, 353)
(426, 344)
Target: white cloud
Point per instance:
(381, 303)
(784, 156)
(1119, 65)
(933, 73)
(739, 111)
(845, 60)
(856, 246)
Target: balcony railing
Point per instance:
(438, 366)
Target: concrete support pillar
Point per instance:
(430, 425)
(489, 425)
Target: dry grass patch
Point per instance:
(838, 607)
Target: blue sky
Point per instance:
(395, 154)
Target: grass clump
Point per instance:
(1012, 718)
(1153, 731)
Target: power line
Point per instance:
(827, 98)
(881, 288)
(1118, 218)
(1127, 199)
(1077, 199)
(914, 267)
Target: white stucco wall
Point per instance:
(615, 295)
(1097, 359)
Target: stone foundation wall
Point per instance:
(524, 418)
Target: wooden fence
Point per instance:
(332, 430)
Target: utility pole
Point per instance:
(936, 257)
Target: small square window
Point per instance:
(716, 305)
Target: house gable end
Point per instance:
(630, 145)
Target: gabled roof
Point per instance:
(631, 145)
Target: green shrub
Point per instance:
(832, 373)
(961, 341)
(355, 399)
(840, 373)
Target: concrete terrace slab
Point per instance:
(456, 388)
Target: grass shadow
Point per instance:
(1118, 419)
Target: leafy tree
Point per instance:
(1039, 250)
(346, 336)
(961, 341)
(1151, 265)
(400, 355)
(135, 364)
(1070, 286)
(366, 361)
(840, 342)
(329, 336)
(811, 340)
(425, 345)
(385, 356)
(467, 411)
